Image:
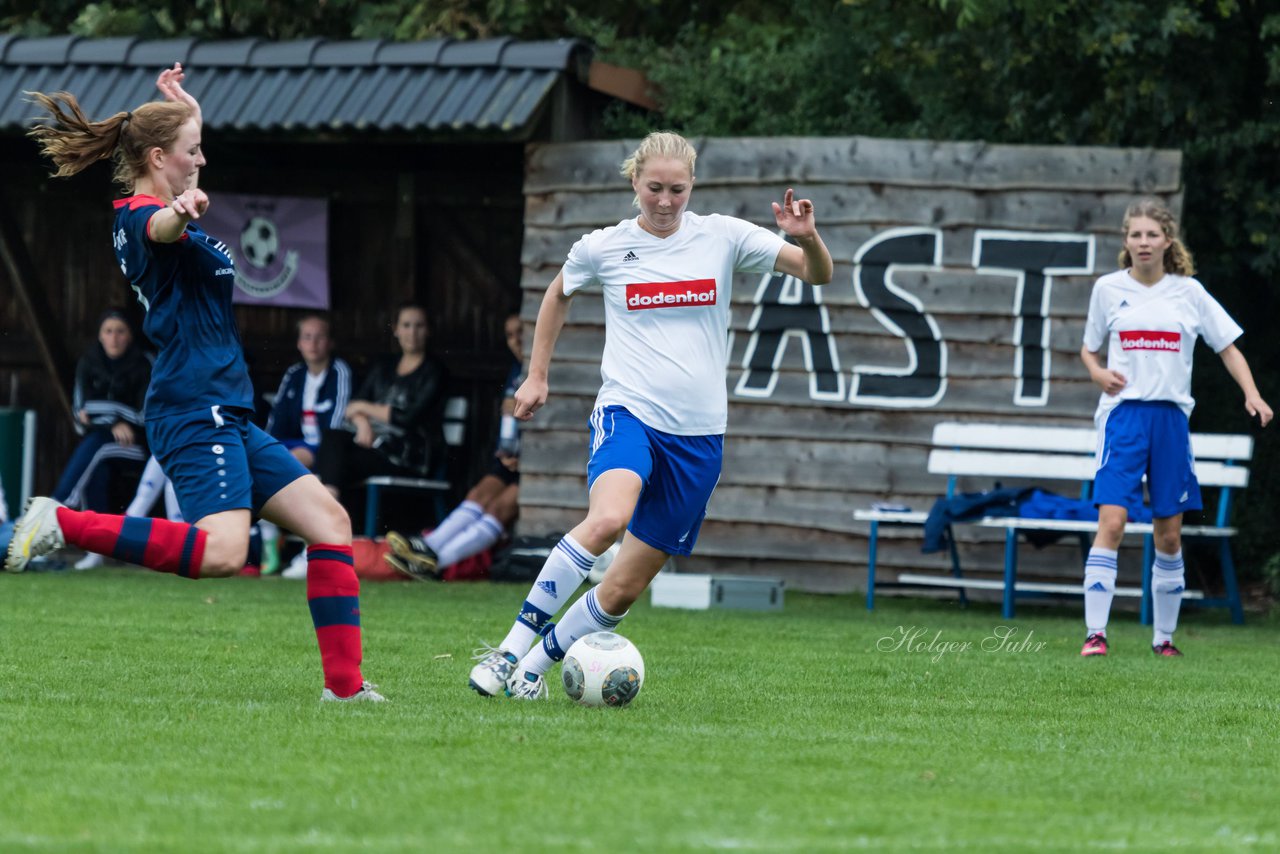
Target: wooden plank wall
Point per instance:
(941, 308)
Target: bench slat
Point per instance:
(407, 482)
(1016, 437)
(1058, 467)
(1020, 586)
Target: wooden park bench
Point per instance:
(1050, 456)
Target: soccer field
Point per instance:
(144, 713)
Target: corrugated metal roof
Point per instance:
(493, 87)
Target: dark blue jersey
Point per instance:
(185, 288)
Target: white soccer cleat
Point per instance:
(297, 568)
(366, 694)
(527, 686)
(490, 676)
(37, 533)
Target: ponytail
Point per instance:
(74, 142)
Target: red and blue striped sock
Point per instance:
(154, 543)
(333, 592)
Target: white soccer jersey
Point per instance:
(1150, 331)
(667, 314)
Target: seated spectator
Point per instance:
(490, 507)
(111, 388)
(313, 396)
(395, 424)
(314, 393)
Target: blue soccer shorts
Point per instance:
(1152, 438)
(679, 474)
(219, 460)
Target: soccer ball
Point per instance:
(603, 669)
(260, 241)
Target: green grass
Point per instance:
(140, 712)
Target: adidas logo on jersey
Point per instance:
(1124, 303)
(630, 256)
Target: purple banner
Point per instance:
(280, 245)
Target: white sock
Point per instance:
(564, 571)
(473, 539)
(269, 530)
(1099, 589)
(455, 523)
(1168, 579)
(583, 617)
(149, 487)
(171, 507)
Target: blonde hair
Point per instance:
(659, 144)
(73, 142)
(1177, 258)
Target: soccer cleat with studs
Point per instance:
(36, 534)
(1166, 649)
(366, 694)
(527, 686)
(416, 558)
(489, 677)
(1095, 644)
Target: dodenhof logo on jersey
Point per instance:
(646, 295)
(1170, 342)
(260, 247)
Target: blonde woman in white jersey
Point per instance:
(657, 430)
(1149, 314)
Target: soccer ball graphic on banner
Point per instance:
(603, 669)
(260, 241)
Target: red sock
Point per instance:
(154, 543)
(333, 592)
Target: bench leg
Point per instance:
(1010, 570)
(372, 495)
(1148, 557)
(955, 566)
(871, 566)
(1229, 581)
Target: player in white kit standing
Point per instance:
(657, 430)
(1148, 315)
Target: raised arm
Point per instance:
(551, 316)
(170, 85)
(807, 259)
(1239, 370)
(167, 225)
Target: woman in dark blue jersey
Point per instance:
(200, 400)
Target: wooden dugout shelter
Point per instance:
(418, 149)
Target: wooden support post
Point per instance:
(22, 271)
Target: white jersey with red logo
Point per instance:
(1150, 331)
(667, 314)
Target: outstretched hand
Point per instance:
(192, 204)
(170, 85)
(795, 216)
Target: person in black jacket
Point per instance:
(395, 424)
(111, 386)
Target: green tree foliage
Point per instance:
(1202, 76)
